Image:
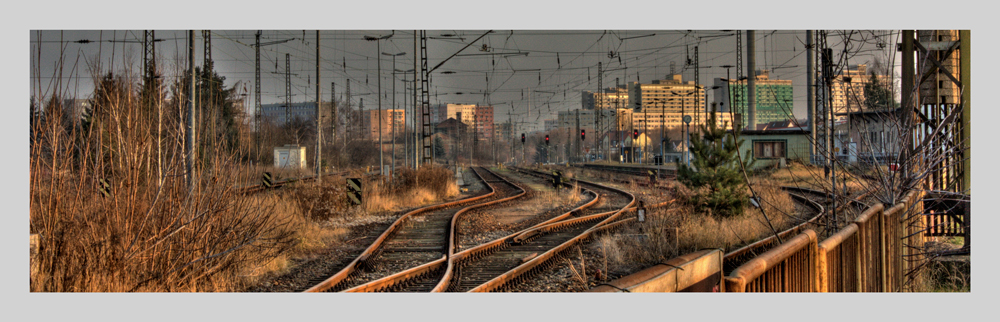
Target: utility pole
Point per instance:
(416, 108)
(381, 162)
(811, 95)
(751, 81)
(288, 87)
(425, 101)
(189, 139)
(319, 120)
(597, 109)
(830, 131)
(350, 118)
(618, 122)
(966, 78)
(333, 114)
(908, 101)
(256, 91)
(579, 147)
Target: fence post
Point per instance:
(813, 258)
(882, 250)
(822, 273)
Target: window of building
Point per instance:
(768, 149)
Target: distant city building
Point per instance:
(439, 113)
(609, 98)
(551, 125)
(773, 98)
(672, 95)
(626, 119)
(462, 112)
(484, 122)
(389, 119)
(304, 111)
(850, 96)
(451, 128)
(503, 131)
(587, 122)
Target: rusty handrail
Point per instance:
(751, 270)
(825, 247)
(343, 273)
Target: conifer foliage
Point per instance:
(715, 174)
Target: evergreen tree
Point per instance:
(877, 96)
(438, 147)
(541, 150)
(716, 165)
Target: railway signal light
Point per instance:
(635, 134)
(522, 138)
(546, 139)
(583, 135)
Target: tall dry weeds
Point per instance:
(150, 233)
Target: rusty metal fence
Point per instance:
(875, 253)
(790, 267)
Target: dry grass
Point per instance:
(678, 229)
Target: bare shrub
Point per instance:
(151, 232)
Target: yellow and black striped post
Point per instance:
(354, 191)
(267, 181)
(104, 187)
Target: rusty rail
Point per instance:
(542, 260)
(742, 254)
(386, 283)
(352, 266)
(473, 252)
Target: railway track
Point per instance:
(415, 240)
(501, 259)
(502, 264)
(805, 197)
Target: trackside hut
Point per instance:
(768, 147)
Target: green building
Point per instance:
(769, 147)
(774, 98)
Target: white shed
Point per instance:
(290, 155)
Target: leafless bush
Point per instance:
(151, 232)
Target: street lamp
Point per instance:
(392, 116)
(687, 120)
(406, 147)
(378, 44)
(662, 123)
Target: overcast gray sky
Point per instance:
(544, 68)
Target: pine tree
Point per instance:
(438, 147)
(877, 96)
(716, 165)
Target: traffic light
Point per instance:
(635, 134)
(546, 139)
(522, 138)
(583, 135)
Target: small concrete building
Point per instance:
(770, 147)
(290, 156)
